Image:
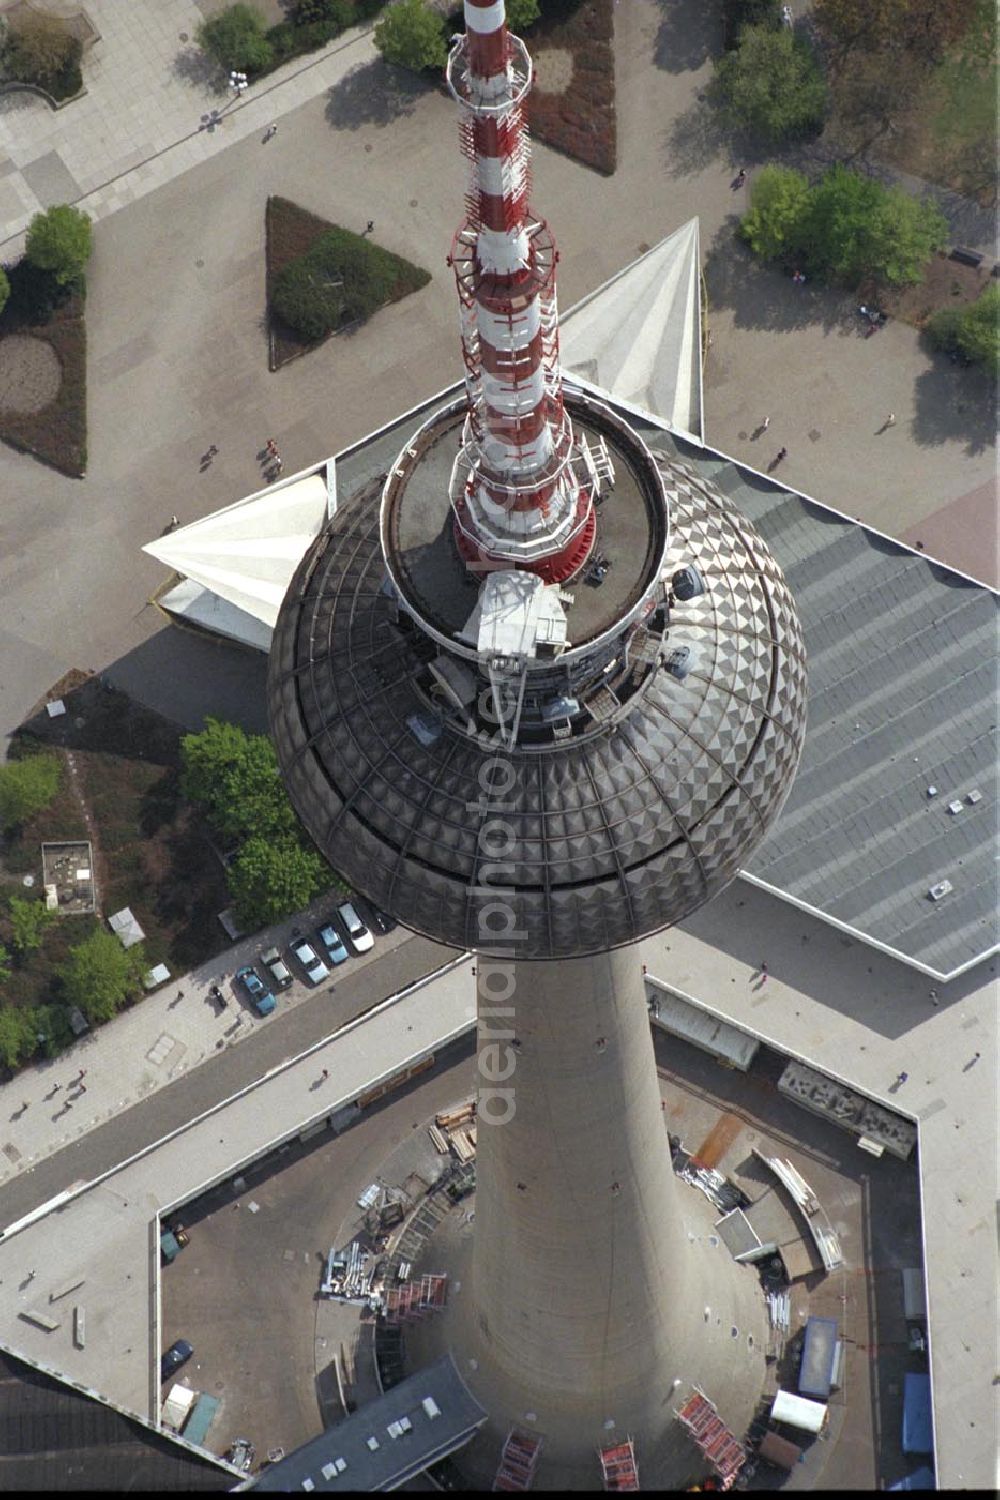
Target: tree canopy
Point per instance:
(846, 228)
(4, 289)
(771, 84)
(234, 776)
(778, 207)
(26, 786)
(59, 241)
(41, 49)
(236, 38)
(857, 228)
(521, 14)
(100, 975)
(412, 35)
(972, 331)
(923, 28)
(272, 877)
(28, 921)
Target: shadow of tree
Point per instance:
(690, 32)
(374, 94)
(194, 66)
(762, 296)
(695, 139)
(954, 404)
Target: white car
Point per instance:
(361, 938)
(310, 960)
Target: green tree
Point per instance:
(521, 14)
(59, 241)
(28, 921)
(18, 1035)
(4, 964)
(4, 289)
(272, 877)
(236, 38)
(972, 331)
(856, 228)
(771, 84)
(779, 207)
(100, 975)
(338, 14)
(412, 35)
(234, 776)
(26, 786)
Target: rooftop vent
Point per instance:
(678, 663)
(431, 1407)
(955, 807)
(373, 1443)
(974, 796)
(687, 583)
(941, 889)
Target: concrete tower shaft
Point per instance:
(516, 498)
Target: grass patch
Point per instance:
(946, 133)
(292, 235)
(151, 853)
(580, 121)
(57, 434)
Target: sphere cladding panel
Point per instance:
(599, 841)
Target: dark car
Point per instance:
(179, 1353)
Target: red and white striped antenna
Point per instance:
(522, 490)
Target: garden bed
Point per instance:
(579, 120)
(290, 233)
(945, 284)
(57, 431)
(120, 789)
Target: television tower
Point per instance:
(540, 693)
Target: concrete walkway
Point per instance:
(155, 107)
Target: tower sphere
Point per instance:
(536, 690)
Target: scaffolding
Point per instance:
(717, 1443)
(415, 1299)
(518, 1461)
(618, 1466)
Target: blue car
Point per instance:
(333, 943)
(261, 999)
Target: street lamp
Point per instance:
(238, 81)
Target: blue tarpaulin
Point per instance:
(917, 1414)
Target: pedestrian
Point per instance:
(272, 447)
(31, 1276)
(369, 226)
(172, 523)
(82, 1074)
(24, 1105)
(902, 1077)
(933, 997)
(763, 972)
(780, 456)
(890, 420)
(740, 178)
(271, 131)
(278, 465)
(765, 424)
(325, 1074)
(82, 1088)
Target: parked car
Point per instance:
(242, 1454)
(260, 996)
(358, 933)
(277, 968)
(381, 920)
(179, 1353)
(333, 943)
(310, 960)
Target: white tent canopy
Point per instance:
(638, 336)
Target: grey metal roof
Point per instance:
(342, 1460)
(902, 696)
